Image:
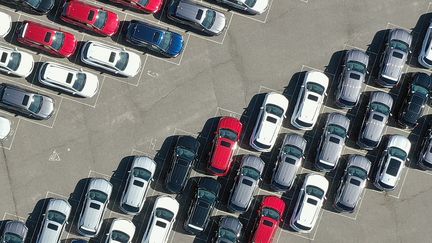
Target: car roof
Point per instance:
(231, 123)
(144, 162)
(15, 95)
(80, 11)
(189, 10)
(274, 202)
(38, 33)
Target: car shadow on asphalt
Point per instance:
(291, 91)
(118, 180)
(76, 200)
(205, 138)
(163, 159)
(249, 117)
(35, 218)
(419, 32)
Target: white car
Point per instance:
(310, 100)
(71, 80)
(121, 231)
(161, 220)
(309, 203)
(15, 62)
(111, 58)
(392, 162)
(6, 24)
(55, 218)
(425, 56)
(140, 176)
(252, 7)
(5, 127)
(269, 122)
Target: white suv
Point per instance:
(425, 56)
(14, 62)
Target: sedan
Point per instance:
(270, 216)
(71, 80)
(95, 202)
(310, 100)
(425, 157)
(36, 6)
(121, 230)
(250, 6)
(6, 25)
(226, 139)
(138, 182)
(55, 219)
(229, 230)
(154, 38)
(332, 142)
(352, 184)
(97, 19)
(202, 205)
(26, 102)
(425, 56)
(14, 232)
(247, 180)
(197, 16)
(111, 58)
(15, 62)
(290, 159)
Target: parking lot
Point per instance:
(225, 75)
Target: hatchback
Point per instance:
(55, 219)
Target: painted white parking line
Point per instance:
(7, 215)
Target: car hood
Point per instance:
(154, 6)
(243, 194)
(112, 24)
(124, 226)
(401, 142)
(69, 45)
(26, 65)
(133, 66)
(47, 108)
(5, 127)
(91, 85)
(285, 173)
(351, 193)
(6, 25)
(16, 227)
(219, 23)
(330, 151)
(176, 45)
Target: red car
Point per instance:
(227, 136)
(54, 41)
(270, 213)
(148, 6)
(90, 17)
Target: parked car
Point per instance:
(270, 215)
(148, 6)
(121, 230)
(15, 62)
(425, 55)
(154, 38)
(197, 16)
(38, 7)
(252, 7)
(55, 219)
(138, 182)
(392, 162)
(90, 17)
(202, 205)
(26, 102)
(184, 158)
(394, 57)
(69, 79)
(309, 203)
(290, 159)
(269, 122)
(229, 230)
(225, 143)
(161, 220)
(355, 69)
(247, 180)
(352, 184)
(54, 41)
(375, 120)
(332, 142)
(111, 58)
(6, 25)
(425, 157)
(415, 101)
(95, 202)
(14, 232)
(5, 128)
(310, 100)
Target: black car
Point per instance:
(229, 230)
(202, 205)
(417, 97)
(184, 157)
(37, 6)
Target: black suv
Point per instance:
(184, 158)
(37, 6)
(202, 205)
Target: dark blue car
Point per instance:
(165, 42)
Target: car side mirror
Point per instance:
(261, 108)
(81, 70)
(15, 48)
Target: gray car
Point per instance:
(377, 115)
(352, 78)
(229, 230)
(332, 142)
(352, 184)
(289, 161)
(14, 232)
(26, 102)
(96, 199)
(247, 180)
(197, 16)
(425, 157)
(394, 57)
(55, 218)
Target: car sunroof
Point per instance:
(69, 78)
(112, 57)
(199, 14)
(377, 117)
(47, 37)
(397, 55)
(225, 144)
(95, 206)
(3, 57)
(138, 183)
(247, 182)
(91, 15)
(312, 97)
(25, 100)
(354, 76)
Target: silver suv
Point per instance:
(55, 218)
(425, 157)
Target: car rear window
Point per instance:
(25, 100)
(377, 117)
(354, 76)
(268, 223)
(138, 183)
(161, 224)
(225, 144)
(355, 182)
(47, 37)
(312, 201)
(91, 15)
(334, 140)
(397, 55)
(3, 57)
(95, 206)
(312, 97)
(271, 119)
(247, 182)
(199, 14)
(69, 78)
(52, 227)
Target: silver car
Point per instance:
(332, 142)
(250, 6)
(377, 115)
(247, 180)
(55, 218)
(352, 78)
(14, 232)
(289, 161)
(138, 182)
(425, 157)
(394, 57)
(352, 184)
(96, 200)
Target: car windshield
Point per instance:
(12, 238)
(56, 216)
(314, 191)
(98, 196)
(79, 81)
(227, 234)
(228, 134)
(275, 110)
(271, 213)
(164, 214)
(250, 172)
(14, 61)
(380, 107)
(337, 130)
(122, 61)
(357, 172)
(209, 19)
(315, 88)
(184, 153)
(250, 3)
(36, 104)
(101, 19)
(356, 66)
(397, 152)
(292, 150)
(166, 41)
(119, 236)
(399, 45)
(204, 194)
(420, 89)
(141, 173)
(58, 40)
(34, 3)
